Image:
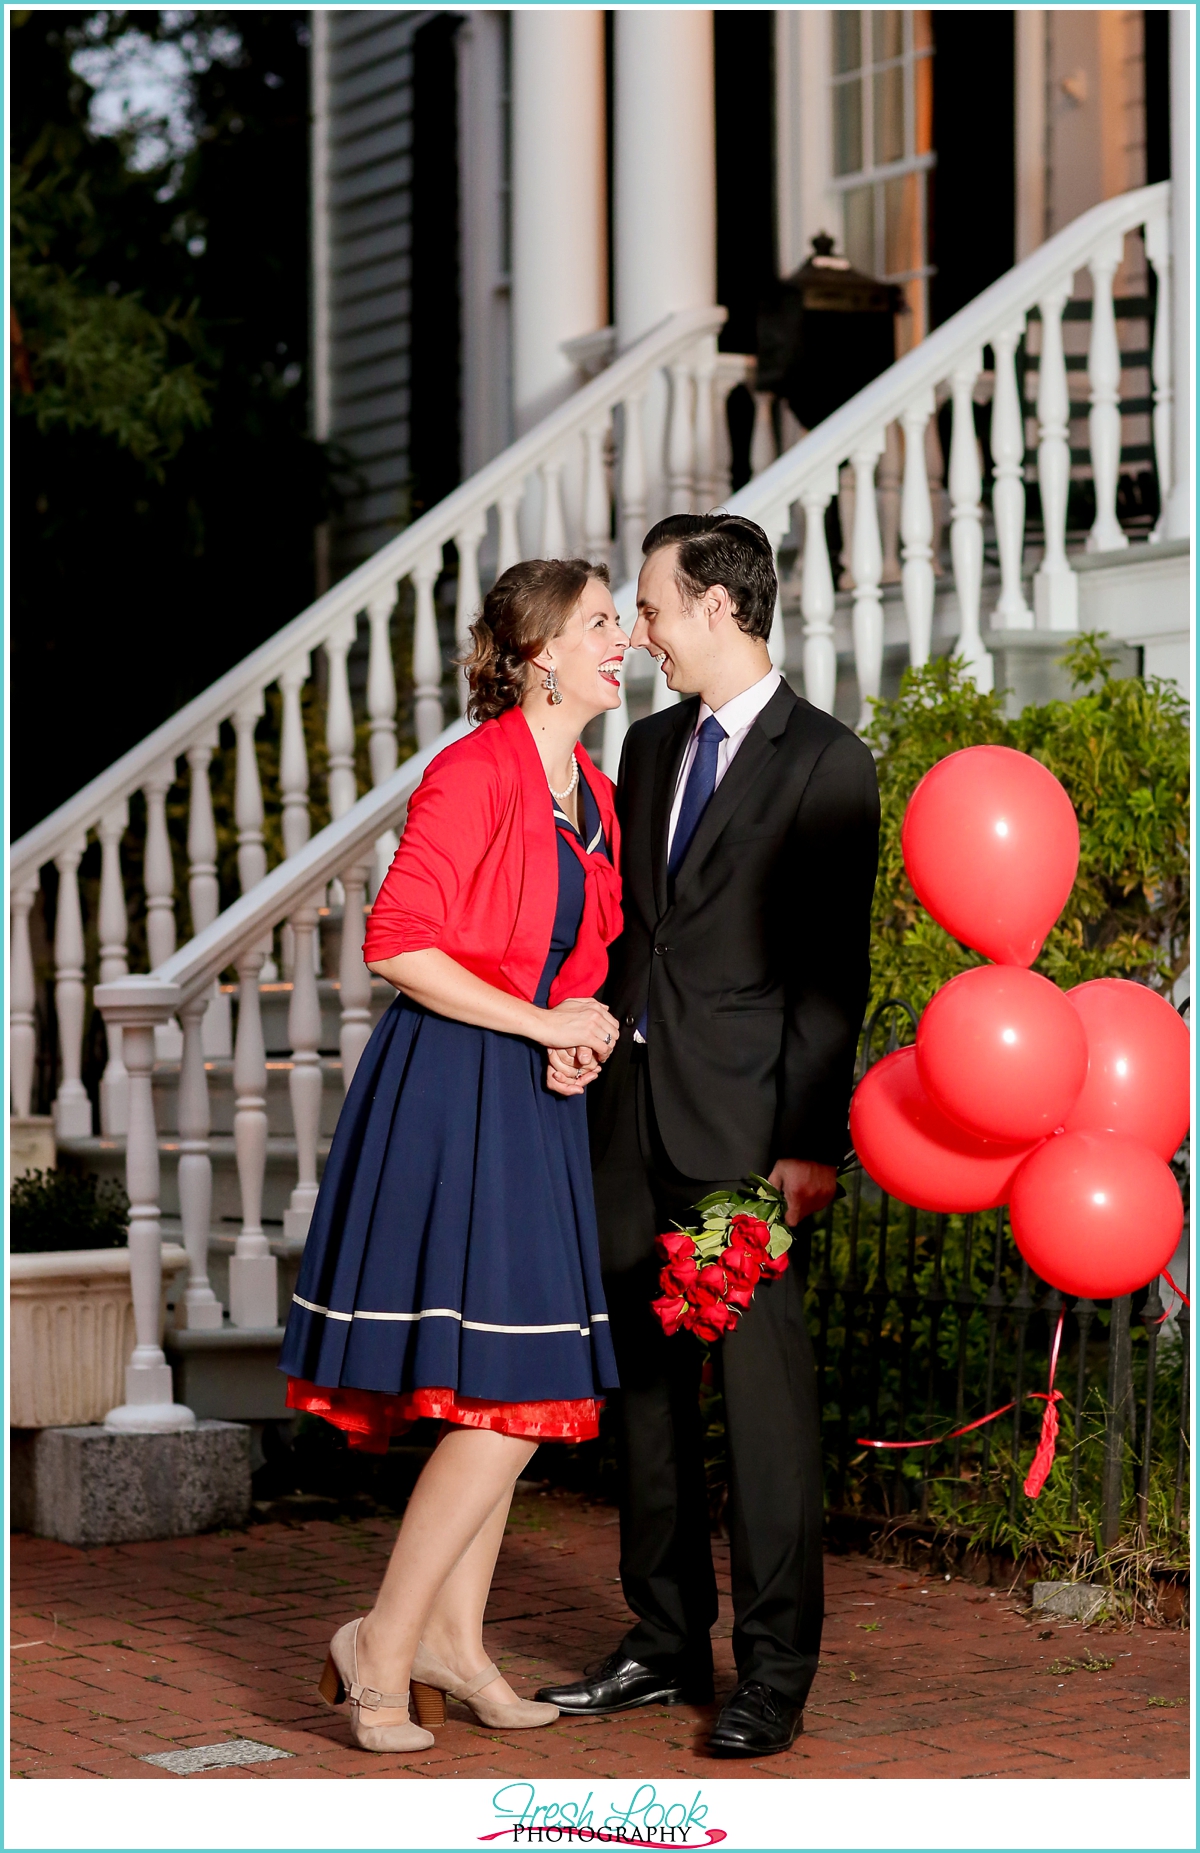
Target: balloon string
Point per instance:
(1176, 1290)
(1043, 1459)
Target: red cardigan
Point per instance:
(476, 873)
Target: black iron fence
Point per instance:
(923, 1322)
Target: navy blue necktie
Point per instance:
(701, 783)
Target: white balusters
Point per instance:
(681, 442)
(252, 1267)
(201, 1307)
(248, 806)
(1104, 412)
(355, 979)
(1008, 486)
(775, 524)
(22, 1003)
(966, 521)
(935, 470)
(304, 1081)
(916, 532)
(763, 448)
(866, 561)
(72, 1108)
(114, 963)
(159, 868)
(633, 484)
(509, 550)
(706, 493)
(553, 544)
(817, 595)
(1055, 587)
(597, 513)
(427, 651)
(381, 681)
(293, 757)
(204, 895)
(467, 608)
(139, 1006)
(1158, 253)
(339, 718)
(888, 492)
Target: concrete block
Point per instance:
(232, 1374)
(1070, 1601)
(31, 1145)
(97, 1486)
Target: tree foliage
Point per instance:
(1121, 750)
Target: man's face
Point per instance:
(677, 633)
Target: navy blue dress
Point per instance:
(454, 1242)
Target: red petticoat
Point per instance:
(369, 1418)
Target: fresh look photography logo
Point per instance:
(643, 1821)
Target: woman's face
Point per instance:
(587, 655)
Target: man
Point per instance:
(750, 832)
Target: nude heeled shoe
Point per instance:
(340, 1681)
(433, 1683)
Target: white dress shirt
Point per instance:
(737, 717)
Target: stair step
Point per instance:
(222, 1101)
(106, 1157)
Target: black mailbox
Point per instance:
(826, 332)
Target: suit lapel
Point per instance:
(671, 750)
(750, 762)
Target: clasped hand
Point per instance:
(584, 1035)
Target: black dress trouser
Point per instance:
(766, 1370)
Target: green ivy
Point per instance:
(1121, 750)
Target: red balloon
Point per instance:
(991, 846)
(918, 1155)
(1139, 1065)
(1003, 1053)
(1096, 1214)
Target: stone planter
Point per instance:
(72, 1333)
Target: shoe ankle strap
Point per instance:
(470, 1687)
(369, 1698)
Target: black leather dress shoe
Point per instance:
(621, 1684)
(756, 1721)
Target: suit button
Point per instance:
(631, 1022)
(660, 949)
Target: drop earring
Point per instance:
(550, 684)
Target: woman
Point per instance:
(452, 1266)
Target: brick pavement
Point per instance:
(130, 1650)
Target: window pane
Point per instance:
(923, 99)
(922, 29)
(889, 115)
(902, 240)
(847, 127)
(859, 209)
(847, 41)
(889, 35)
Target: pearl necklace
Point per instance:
(562, 796)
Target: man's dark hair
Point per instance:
(722, 550)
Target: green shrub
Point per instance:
(1121, 749)
(58, 1210)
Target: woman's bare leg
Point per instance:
(454, 1626)
(469, 1475)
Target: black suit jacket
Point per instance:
(755, 960)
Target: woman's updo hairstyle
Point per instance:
(527, 606)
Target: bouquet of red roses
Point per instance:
(711, 1272)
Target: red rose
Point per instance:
(671, 1313)
(674, 1245)
(714, 1322)
(742, 1269)
(749, 1232)
(774, 1265)
(711, 1280)
(678, 1277)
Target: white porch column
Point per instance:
(1179, 507)
(665, 186)
(559, 235)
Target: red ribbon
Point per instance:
(1043, 1459)
(1176, 1290)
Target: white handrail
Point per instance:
(194, 723)
(326, 855)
